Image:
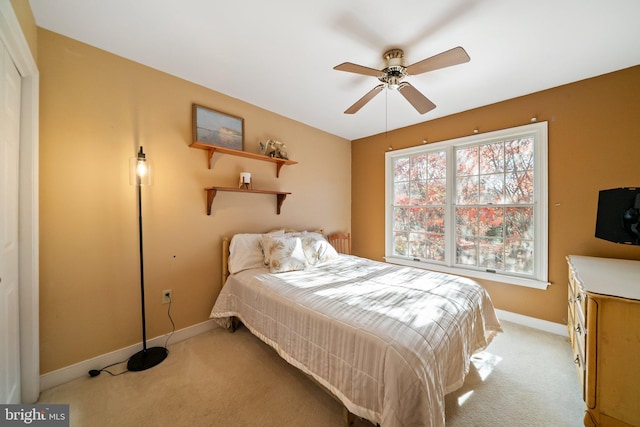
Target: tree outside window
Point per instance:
(471, 203)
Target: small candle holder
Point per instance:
(245, 181)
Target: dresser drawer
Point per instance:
(577, 296)
(579, 361)
(576, 326)
(577, 336)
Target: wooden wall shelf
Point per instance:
(212, 149)
(212, 191)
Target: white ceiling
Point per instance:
(280, 54)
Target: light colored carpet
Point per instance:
(525, 378)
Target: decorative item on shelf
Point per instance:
(274, 148)
(245, 181)
(218, 129)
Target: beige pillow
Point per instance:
(317, 249)
(284, 253)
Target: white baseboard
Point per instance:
(68, 373)
(532, 322)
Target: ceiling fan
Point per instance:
(395, 70)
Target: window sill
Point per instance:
(495, 277)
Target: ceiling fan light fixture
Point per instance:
(393, 82)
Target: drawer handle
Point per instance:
(577, 360)
(578, 329)
(577, 298)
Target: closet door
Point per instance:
(9, 247)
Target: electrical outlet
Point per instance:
(167, 296)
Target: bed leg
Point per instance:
(348, 419)
(235, 323)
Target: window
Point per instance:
(474, 206)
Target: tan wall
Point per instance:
(594, 144)
(95, 109)
(23, 12)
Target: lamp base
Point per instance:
(146, 359)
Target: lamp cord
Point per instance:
(173, 325)
(96, 372)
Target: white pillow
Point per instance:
(284, 253)
(245, 252)
(317, 249)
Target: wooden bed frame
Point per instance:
(225, 259)
(348, 419)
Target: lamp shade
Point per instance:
(140, 169)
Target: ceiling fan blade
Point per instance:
(358, 69)
(415, 98)
(368, 97)
(455, 56)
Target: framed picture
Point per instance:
(212, 127)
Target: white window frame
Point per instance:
(539, 278)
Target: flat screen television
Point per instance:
(618, 218)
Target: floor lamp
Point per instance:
(140, 174)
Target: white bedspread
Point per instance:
(388, 341)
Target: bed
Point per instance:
(387, 341)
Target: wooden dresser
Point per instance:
(604, 328)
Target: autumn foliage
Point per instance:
(491, 205)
